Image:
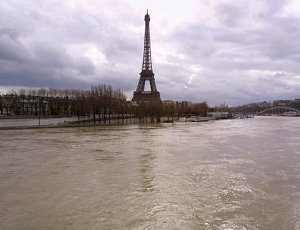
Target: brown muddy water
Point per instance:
(230, 174)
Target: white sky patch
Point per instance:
(87, 50)
(14, 89)
(169, 12)
(292, 8)
(215, 13)
(195, 76)
(195, 71)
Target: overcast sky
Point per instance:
(217, 51)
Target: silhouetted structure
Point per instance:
(279, 111)
(140, 95)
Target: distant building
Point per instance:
(218, 115)
(11, 104)
(282, 102)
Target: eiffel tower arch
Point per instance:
(140, 95)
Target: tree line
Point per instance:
(101, 100)
(100, 104)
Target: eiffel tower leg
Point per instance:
(152, 85)
(141, 85)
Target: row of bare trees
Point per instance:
(47, 92)
(101, 100)
(100, 104)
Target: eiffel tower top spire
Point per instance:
(147, 62)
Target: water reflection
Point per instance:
(146, 159)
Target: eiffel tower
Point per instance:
(140, 95)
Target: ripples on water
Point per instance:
(231, 174)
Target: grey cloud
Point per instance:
(85, 66)
(51, 55)
(13, 50)
(39, 76)
(33, 46)
(238, 58)
(10, 32)
(230, 14)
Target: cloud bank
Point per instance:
(217, 51)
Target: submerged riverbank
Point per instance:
(69, 122)
(64, 122)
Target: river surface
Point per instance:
(230, 174)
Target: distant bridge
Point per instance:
(279, 111)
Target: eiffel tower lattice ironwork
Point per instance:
(140, 95)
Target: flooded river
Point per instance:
(230, 174)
